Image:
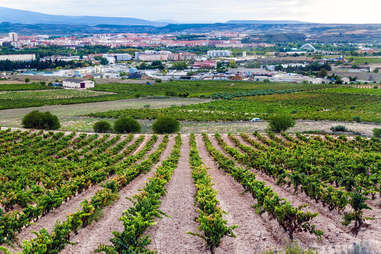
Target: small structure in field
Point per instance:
(78, 84)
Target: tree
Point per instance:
(322, 73)
(126, 125)
(233, 64)
(281, 122)
(27, 80)
(40, 120)
(103, 61)
(220, 67)
(377, 132)
(166, 125)
(102, 127)
(182, 65)
(157, 65)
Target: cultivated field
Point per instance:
(70, 115)
(262, 189)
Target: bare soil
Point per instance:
(71, 206)
(337, 237)
(169, 235)
(254, 233)
(88, 239)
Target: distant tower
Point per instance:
(13, 37)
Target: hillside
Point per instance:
(29, 17)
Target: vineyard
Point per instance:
(221, 193)
(340, 104)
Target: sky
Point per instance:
(322, 11)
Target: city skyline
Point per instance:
(324, 11)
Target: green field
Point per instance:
(364, 60)
(48, 94)
(19, 87)
(326, 104)
(197, 89)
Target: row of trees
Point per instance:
(8, 65)
(129, 125)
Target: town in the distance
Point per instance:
(218, 55)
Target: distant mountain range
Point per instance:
(31, 18)
(266, 22)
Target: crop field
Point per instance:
(48, 94)
(341, 104)
(364, 60)
(22, 87)
(113, 92)
(204, 193)
(70, 115)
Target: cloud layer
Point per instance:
(325, 11)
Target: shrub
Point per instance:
(102, 127)
(357, 119)
(27, 80)
(40, 120)
(281, 122)
(126, 125)
(170, 93)
(339, 128)
(166, 125)
(377, 132)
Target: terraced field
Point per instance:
(241, 193)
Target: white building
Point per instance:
(18, 58)
(123, 57)
(78, 84)
(13, 37)
(308, 47)
(219, 53)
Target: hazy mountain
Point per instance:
(29, 17)
(266, 22)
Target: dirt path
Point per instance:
(254, 234)
(48, 221)
(170, 234)
(100, 232)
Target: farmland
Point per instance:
(342, 104)
(113, 92)
(250, 192)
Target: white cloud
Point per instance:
(340, 11)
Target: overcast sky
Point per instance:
(325, 11)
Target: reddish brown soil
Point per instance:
(254, 233)
(100, 232)
(169, 235)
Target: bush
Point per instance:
(40, 120)
(170, 93)
(126, 125)
(102, 127)
(166, 125)
(339, 128)
(27, 80)
(281, 123)
(357, 119)
(377, 132)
